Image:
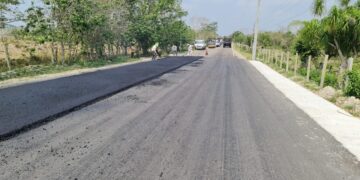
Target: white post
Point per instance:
(256, 31)
(281, 60)
(308, 69)
(287, 61)
(323, 72)
(350, 63)
(296, 63)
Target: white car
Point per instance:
(218, 44)
(200, 45)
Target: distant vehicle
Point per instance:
(200, 45)
(211, 44)
(227, 43)
(217, 43)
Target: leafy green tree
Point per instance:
(39, 27)
(341, 29)
(95, 27)
(208, 31)
(239, 37)
(148, 19)
(5, 17)
(308, 40)
(265, 39)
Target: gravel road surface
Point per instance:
(216, 118)
(24, 105)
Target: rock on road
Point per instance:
(216, 118)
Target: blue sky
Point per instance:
(233, 15)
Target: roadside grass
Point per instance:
(243, 52)
(35, 70)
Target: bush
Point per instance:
(315, 75)
(331, 80)
(353, 88)
(302, 71)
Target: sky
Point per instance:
(233, 15)
(239, 15)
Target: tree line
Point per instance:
(96, 29)
(334, 32)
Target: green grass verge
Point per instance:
(35, 70)
(244, 52)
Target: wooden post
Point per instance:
(287, 61)
(276, 57)
(260, 54)
(281, 60)
(296, 63)
(323, 72)
(308, 69)
(270, 53)
(7, 55)
(263, 54)
(350, 63)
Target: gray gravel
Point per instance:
(25, 105)
(216, 118)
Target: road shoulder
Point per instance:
(340, 124)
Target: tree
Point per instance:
(308, 40)
(40, 28)
(239, 37)
(5, 13)
(208, 31)
(152, 19)
(97, 26)
(265, 39)
(341, 30)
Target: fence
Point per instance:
(313, 69)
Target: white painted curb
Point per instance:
(341, 125)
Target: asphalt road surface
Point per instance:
(216, 118)
(26, 105)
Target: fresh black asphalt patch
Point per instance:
(28, 106)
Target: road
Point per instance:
(216, 118)
(53, 98)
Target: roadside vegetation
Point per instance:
(58, 35)
(322, 55)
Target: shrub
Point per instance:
(302, 71)
(315, 76)
(331, 80)
(353, 88)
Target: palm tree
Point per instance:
(341, 30)
(319, 6)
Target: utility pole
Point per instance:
(256, 31)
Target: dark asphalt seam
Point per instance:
(41, 122)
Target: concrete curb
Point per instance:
(341, 125)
